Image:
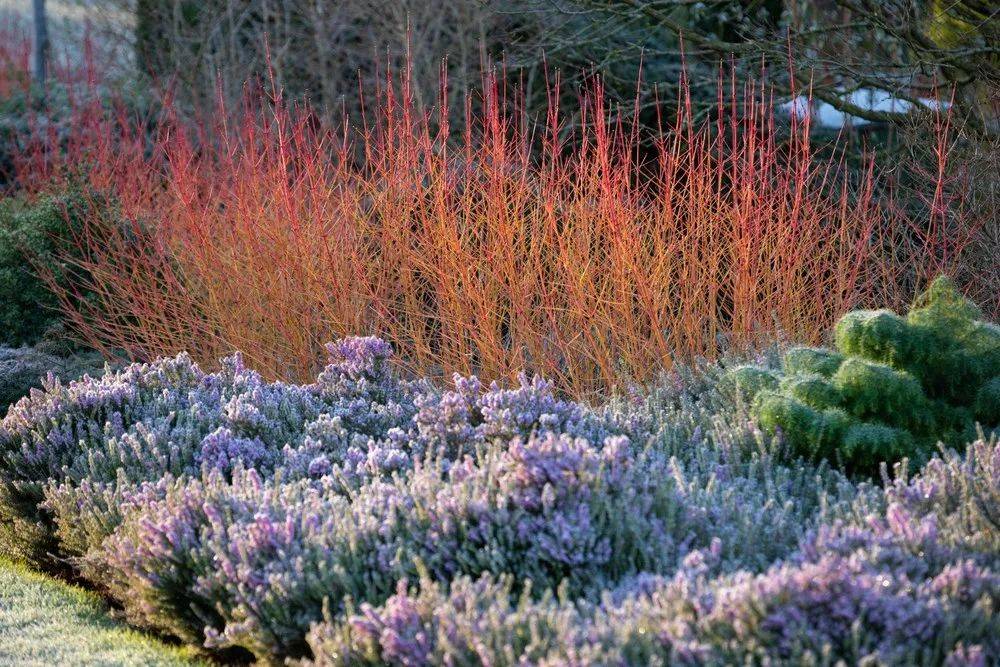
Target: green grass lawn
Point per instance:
(44, 621)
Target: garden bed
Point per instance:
(368, 518)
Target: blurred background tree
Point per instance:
(325, 51)
(910, 49)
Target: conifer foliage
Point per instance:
(892, 389)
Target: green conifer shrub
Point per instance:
(35, 232)
(876, 391)
(894, 387)
(812, 389)
(988, 402)
(809, 432)
(866, 444)
(748, 381)
(802, 359)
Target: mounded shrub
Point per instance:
(988, 402)
(813, 390)
(941, 342)
(983, 342)
(915, 584)
(802, 360)
(748, 381)
(943, 310)
(809, 432)
(883, 336)
(865, 445)
(234, 512)
(954, 423)
(880, 392)
(32, 234)
(894, 387)
(141, 421)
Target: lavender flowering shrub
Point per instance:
(67, 426)
(368, 519)
(131, 426)
(551, 509)
(895, 587)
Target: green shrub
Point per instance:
(885, 337)
(940, 342)
(982, 341)
(34, 233)
(952, 422)
(801, 359)
(943, 310)
(807, 431)
(988, 402)
(967, 349)
(814, 390)
(865, 445)
(875, 391)
(894, 387)
(748, 381)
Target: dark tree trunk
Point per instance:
(40, 59)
